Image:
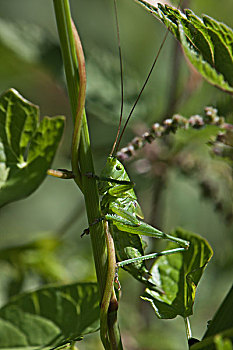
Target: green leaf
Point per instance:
(223, 344)
(221, 341)
(196, 139)
(27, 147)
(38, 256)
(49, 317)
(24, 45)
(207, 43)
(178, 276)
(223, 319)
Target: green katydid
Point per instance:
(120, 207)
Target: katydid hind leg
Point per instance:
(150, 256)
(142, 228)
(128, 246)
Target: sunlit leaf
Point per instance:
(49, 317)
(178, 276)
(206, 42)
(27, 147)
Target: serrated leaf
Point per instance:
(49, 317)
(212, 75)
(27, 147)
(207, 43)
(178, 276)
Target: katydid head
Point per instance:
(113, 169)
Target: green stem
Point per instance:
(89, 187)
(63, 18)
(64, 25)
(82, 164)
(93, 207)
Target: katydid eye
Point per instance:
(118, 167)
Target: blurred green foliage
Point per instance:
(30, 61)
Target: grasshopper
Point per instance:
(120, 207)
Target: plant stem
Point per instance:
(89, 187)
(82, 164)
(93, 208)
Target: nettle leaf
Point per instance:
(207, 43)
(27, 147)
(49, 317)
(178, 276)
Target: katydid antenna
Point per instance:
(118, 138)
(121, 72)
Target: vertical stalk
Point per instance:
(89, 187)
(82, 163)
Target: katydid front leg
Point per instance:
(130, 184)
